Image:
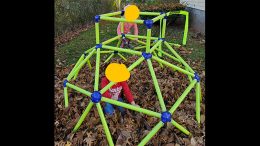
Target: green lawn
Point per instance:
(70, 52)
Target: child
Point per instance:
(127, 30)
(115, 93)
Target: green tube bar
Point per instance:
(80, 65)
(122, 56)
(89, 65)
(150, 13)
(103, 52)
(79, 61)
(104, 123)
(83, 116)
(159, 17)
(154, 53)
(110, 56)
(156, 84)
(89, 50)
(97, 70)
(181, 98)
(140, 47)
(188, 75)
(120, 19)
(151, 133)
(109, 85)
(79, 89)
(160, 36)
(122, 50)
(111, 14)
(141, 42)
(111, 40)
(175, 45)
(155, 46)
(172, 66)
(140, 37)
(148, 40)
(179, 57)
(181, 128)
(131, 107)
(185, 33)
(97, 32)
(139, 61)
(167, 54)
(198, 102)
(66, 98)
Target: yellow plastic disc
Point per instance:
(116, 72)
(131, 12)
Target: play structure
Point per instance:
(153, 50)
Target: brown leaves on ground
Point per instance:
(135, 126)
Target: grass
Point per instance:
(70, 52)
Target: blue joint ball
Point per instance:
(96, 96)
(147, 55)
(148, 23)
(197, 77)
(166, 117)
(65, 82)
(97, 18)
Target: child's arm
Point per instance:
(119, 29)
(104, 82)
(135, 30)
(127, 92)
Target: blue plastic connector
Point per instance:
(148, 23)
(123, 35)
(97, 18)
(115, 52)
(98, 46)
(122, 13)
(197, 77)
(96, 96)
(166, 117)
(165, 17)
(163, 39)
(65, 82)
(147, 55)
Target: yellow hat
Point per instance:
(116, 72)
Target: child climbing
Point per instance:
(127, 30)
(115, 92)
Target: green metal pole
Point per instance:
(79, 61)
(184, 41)
(160, 46)
(148, 40)
(188, 75)
(140, 37)
(120, 20)
(103, 52)
(66, 98)
(80, 65)
(181, 128)
(141, 42)
(97, 32)
(151, 133)
(111, 14)
(110, 56)
(89, 50)
(155, 46)
(181, 98)
(198, 102)
(104, 123)
(175, 45)
(150, 13)
(83, 116)
(167, 54)
(79, 89)
(156, 84)
(159, 17)
(139, 61)
(131, 107)
(141, 47)
(122, 50)
(154, 53)
(111, 40)
(89, 65)
(121, 56)
(172, 66)
(97, 70)
(118, 43)
(179, 57)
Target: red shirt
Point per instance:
(115, 91)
